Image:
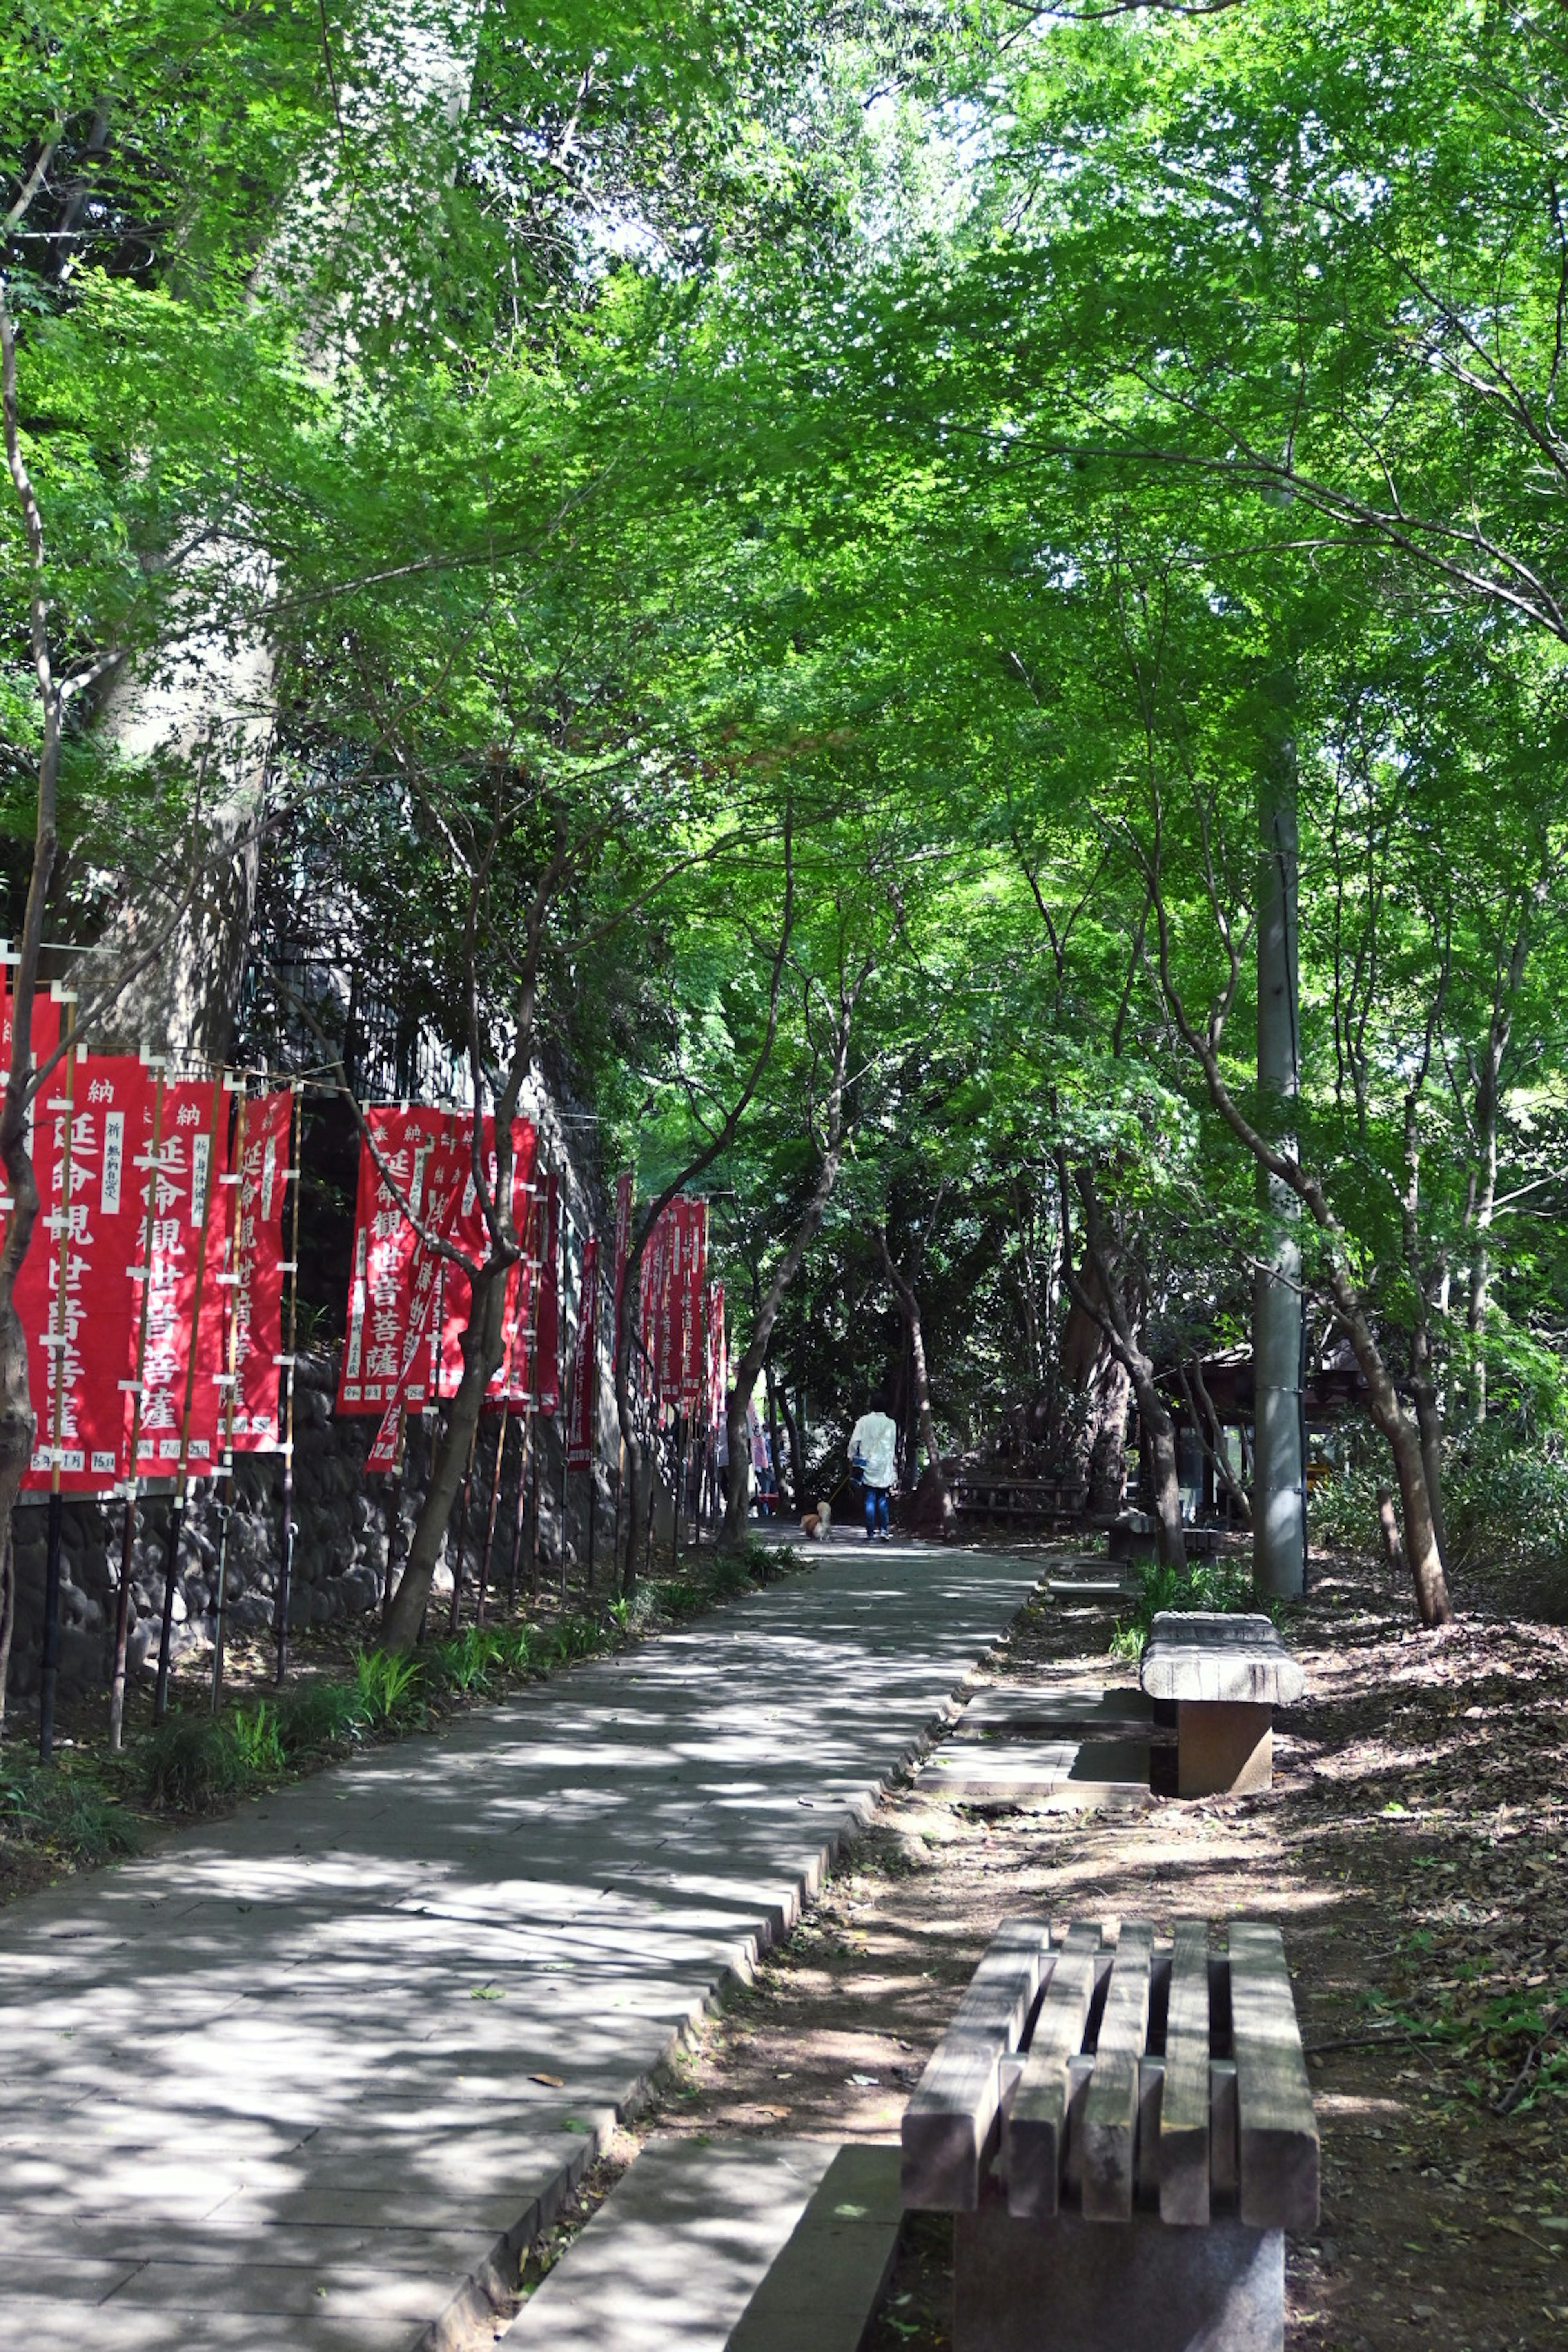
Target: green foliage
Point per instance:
(1201, 1584)
(57, 1812)
(257, 1733)
(465, 1663)
(190, 1760)
(387, 1689)
(1343, 1510)
(317, 1718)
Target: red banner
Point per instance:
(256, 1263)
(623, 1244)
(75, 1301)
(583, 1422)
(183, 1363)
(693, 1271)
(650, 1309)
(521, 1308)
(548, 1381)
(718, 1356)
(425, 1155)
(471, 1234)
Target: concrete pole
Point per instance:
(1279, 1517)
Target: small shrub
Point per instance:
(678, 1597)
(465, 1661)
(513, 1646)
(53, 1808)
(1203, 1584)
(1342, 1512)
(191, 1760)
(258, 1741)
(731, 1577)
(385, 1690)
(316, 1717)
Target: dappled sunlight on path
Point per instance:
(293, 2079)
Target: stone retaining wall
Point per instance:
(341, 1517)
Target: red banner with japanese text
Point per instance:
(183, 1361)
(256, 1263)
(522, 1310)
(75, 1287)
(470, 1233)
(582, 1419)
(425, 1155)
(718, 1356)
(547, 1383)
(623, 1239)
(694, 1271)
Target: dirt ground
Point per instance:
(1413, 1850)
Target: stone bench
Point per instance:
(1224, 1676)
(1159, 2089)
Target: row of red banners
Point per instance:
(150, 1294)
(418, 1199)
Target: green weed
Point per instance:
(1222, 1584)
(465, 1661)
(385, 1690)
(190, 1760)
(258, 1741)
(316, 1717)
(54, 1810)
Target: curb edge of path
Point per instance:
(482, 2299)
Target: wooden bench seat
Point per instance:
(1224, 1676)
(1161, 2088)
(998, 1495)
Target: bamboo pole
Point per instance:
(57, 1342)
(128, 1537)
(286, 1546)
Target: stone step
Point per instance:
(1052, 1776)
(1039, 1710)
(760, 2245)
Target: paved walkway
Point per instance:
(299, 2078)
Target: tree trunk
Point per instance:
(482, 1352)
(936, 1469)
(1170, 1542)
(1105, 1303)
(1432, 1600)
(1279, 1546)
(1211, 1437)
(745, 1369)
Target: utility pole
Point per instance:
(1280, 1515)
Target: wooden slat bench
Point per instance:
(1224, 1676)
(998, 1497)
(1160, 2088)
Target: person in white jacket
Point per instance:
(873, 1446)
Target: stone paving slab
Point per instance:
(322, 2017)
(672, 2258)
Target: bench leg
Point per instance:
(1071, 2285)
(1223, 1748)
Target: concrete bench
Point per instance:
(1224, 1676)
(1161, 2089)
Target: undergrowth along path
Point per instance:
(312, 2075)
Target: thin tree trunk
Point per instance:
(1433, 1604)
(482, 1352)
(1106, 1305)
(18, 1422)
(909, 1307)
(746, 1369)
(1205, 1421)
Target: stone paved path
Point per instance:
(277, 2085)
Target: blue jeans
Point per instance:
(875, 1511)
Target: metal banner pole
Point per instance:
(57, 1342)
(128, 1539)
(230, 1276)
(286, 1534)
(177, 1507)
